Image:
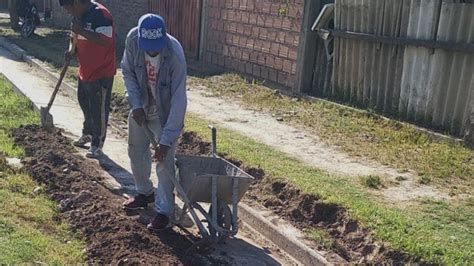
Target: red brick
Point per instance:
(228, 39)
(256, 70)
(270, 61)
(245, 17)
(245, 55)
(274, 9)
(240, 28)
(233, 27)
(251, 5)
(227, 62)
(225, 14)
(243, 41)
(278, 63)
(272, 35)
(284, 50)
(208, 57)
(241, 66)
(293, 54)
(225, 50)
(263, 34)
(253, 19)
(236, 40)
(272, 75)
(264, 73)
(248, 29)
(261, 59)
(286, 24)
(275, 48)
(266, 7)
(290, 82)
(282, 78)
(266, 47)
(258, 45)
(269, 21)
(248, 68)
(255, 32)
(235, 4)
(250, 43)
(261, 20)
(254, 57)
(244, 4)
(291, 12)
(281, 37)
(277, 22)
(220, 60)
(287, 66)
(291, 39)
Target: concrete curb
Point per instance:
(290, 245)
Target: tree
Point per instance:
(14, 20)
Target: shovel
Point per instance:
(46, 118)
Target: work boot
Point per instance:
(160, 223)
(139, 202)
(94, 152)
(82, 141)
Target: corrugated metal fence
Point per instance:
(431, 86)
(183, 19)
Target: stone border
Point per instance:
(290, 245)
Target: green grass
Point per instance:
(321, 237)
(443, 240)
(360, 134)
(13, 113)
(371, 181)
(29, 230)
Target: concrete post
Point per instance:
(204, 26)
(306, 51)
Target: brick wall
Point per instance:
(59, 16)
(125, 12)
(255, 37)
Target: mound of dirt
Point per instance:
(351, 241)
(111, 236)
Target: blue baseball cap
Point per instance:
(152, 35)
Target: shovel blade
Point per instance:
(46, 119)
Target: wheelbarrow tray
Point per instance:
(196, 173)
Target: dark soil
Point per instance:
(120, 107)
(351, 241)
(111, 236)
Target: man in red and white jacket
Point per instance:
(94, 27)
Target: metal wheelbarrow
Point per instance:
(202, 179)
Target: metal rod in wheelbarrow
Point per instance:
(214, 141)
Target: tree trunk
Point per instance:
(14, 16)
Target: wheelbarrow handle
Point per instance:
(214, 140)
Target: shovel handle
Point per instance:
(72, 49)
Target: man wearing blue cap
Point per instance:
(154, 70)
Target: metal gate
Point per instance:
(183, 19)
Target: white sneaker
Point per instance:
(94, 152)
(82, 141)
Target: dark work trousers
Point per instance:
(94, 99)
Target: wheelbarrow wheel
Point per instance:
(224, 219)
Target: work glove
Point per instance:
(139, 116)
